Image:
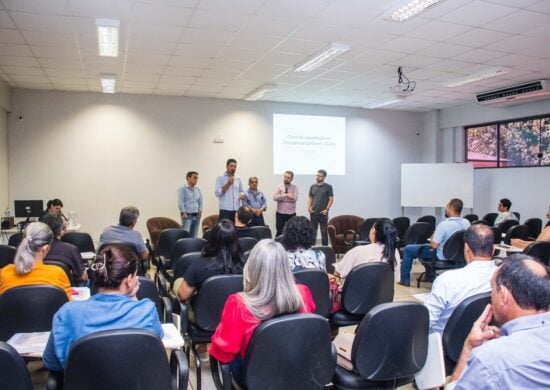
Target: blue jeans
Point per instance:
(191, 225)
(411, 252)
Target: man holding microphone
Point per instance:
(229, 189)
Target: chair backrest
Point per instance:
(183, 262)
(29, 309)
(247, 243)
(482, 222)
(156, 225)
(83, 241)
(490, 218)
(209, 302)
(505, 225)
(428, 219)
(317, 282)
(497, 235)
(402, 224)
(263, 231)
(118, 359)
(15, 239)
(366, 286)
(517, 231)
(209, 222)
(453, 250)
(14, 373)
(341, 223)
(7, 254)
(418, 233)
(364, 228)
(330, 256)
(460, 323)
(540, 250)
(534, 225)
(303, 361)
(148, 289)
(64, 266)
(518, 215)
(167, 239)
(186, 245)
(391, 342)
(471, 217)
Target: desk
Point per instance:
(33, 344)
(509, 249)
(6, 233)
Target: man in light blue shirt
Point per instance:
(516, 355)
(452, 287)
(255, 199)
(190, 204)
(229, 189)
(443, 231)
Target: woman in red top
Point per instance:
(269, 291)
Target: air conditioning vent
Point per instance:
(522, 93)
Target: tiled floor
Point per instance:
(39, 375)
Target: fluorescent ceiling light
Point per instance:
(322, 57)
(386, 103)
(472, 78)
(259, 92)
(107, 37)
(108, 83)
(411, 9)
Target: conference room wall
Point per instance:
(3, 160)
(100, 152)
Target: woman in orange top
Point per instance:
(28, 267)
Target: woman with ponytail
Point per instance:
(115, 306)
(383, 247)
(220, 255)
(28, 267)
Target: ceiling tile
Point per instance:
(199, 51)
(478, 13)
(183, 71)
(406, 44)
(478, 37)
(111, 9)
(60, 64)
(48, 7)
(9, 49)
(16, 71)
(217, 21)
(158, 33)
(234, 6)
(519, 22)
(152, 47)
(18, 61)
(11, 36)
(443, 50)
(56, 52)
(42, 38)
(155, 14)
(206, 37)
(436, 30)
(269, 25)
(38, 22)
(5, 20)
(190, 62)
(147, 59)
(301, 10)
(255, 42)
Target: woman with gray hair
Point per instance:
(269, 291)
(28, 267)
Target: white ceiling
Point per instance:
(227, 48)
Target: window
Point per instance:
(517, 143)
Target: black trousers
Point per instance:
(228, 214)
(322, 221)
(280, 223)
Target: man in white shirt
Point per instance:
(452, 287)
(504, 213)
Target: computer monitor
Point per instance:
(28, 208)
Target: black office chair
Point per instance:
(121, 359)
(148, 289)
(317, 282)
(304, 360)
(490, 218)
(64, 266)
(535, 227)
(30, 308)
(280, 239)
(517, 231)
(186, 245)
(505, 225)
(540, 250)
(263, 232)
(402, 224)
(364, 230)
(459, 325)
(471, 217)
(330, 256)
(199, 321)
(453, 250)
(13, 374)
(390, 347)
(428, 219)
(247, 243)
(497, 234)
(163, 250)
(366, 286)
(83, 241)
(7, 254)
(417, 233)
(482, 222)
(518, 215)
(15, 239)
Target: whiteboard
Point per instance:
(433, 185)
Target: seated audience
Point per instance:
(243, 219)
(514, 356)
(220, 255)
(269, 291)
(298, 237)
(53, 207)
(452, 287)
(28, 267)
(504, 213)
(114, 306)
(383, 247)
(543, 236)
(63, 251)
(124, 232)
(443, 231)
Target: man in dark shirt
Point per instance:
(243, 219)
(63, 251)
(320, 200)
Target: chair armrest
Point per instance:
(55, 380)
(167, 309)
(349, 233)
(331, 229)
(179, 368)
(184, 321)
(217, 368)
